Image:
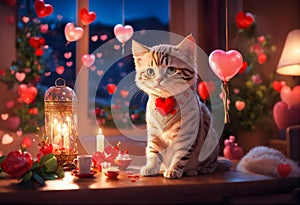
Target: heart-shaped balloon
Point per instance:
(290, 96)
(205, 89)
(285, 115)
(88, 60)
(86, 17)
(240, 105)
(36, 42)
(244, 20)
(277, 85)
(123, 33)
(284, 170)
(73, 33)
(225, 64)
(42, 9)
(165, 105)
(111, 88)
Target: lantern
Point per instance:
(60, 105)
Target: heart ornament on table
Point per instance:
(73, 33)
(284, 170)
(123, 33)
(165, 105)
(290, 96)
(225, 64)
(42, 9)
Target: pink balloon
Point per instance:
(290, 96)
(73, 33)
(285, 115)
(123, 33)
(88, 60)
(225, 64)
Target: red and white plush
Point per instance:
(268, 161)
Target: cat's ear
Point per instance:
(138, 49)
(187, 45)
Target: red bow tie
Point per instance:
(165, 105)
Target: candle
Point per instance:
(100, 141)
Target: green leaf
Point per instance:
(39, 179)
(60, 172)
(35, 166)
(2, 158)
(27, 176)
(45, 158)
(50, 165)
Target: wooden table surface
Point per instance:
(219, 187)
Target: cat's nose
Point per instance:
(158, 80)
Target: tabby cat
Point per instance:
(177, 121)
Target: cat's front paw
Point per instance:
(173, 174)
(149, 171)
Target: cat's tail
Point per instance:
(223, 164)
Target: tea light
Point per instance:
(100, 141)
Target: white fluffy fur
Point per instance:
(264, 160)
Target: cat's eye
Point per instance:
(171, 70)
(150, 72)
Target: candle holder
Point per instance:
(60, 103)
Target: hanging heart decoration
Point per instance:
(7, 139)
(290, 96)
(111, 88)
(27, 94)
(240, 105)
(73, 33)
(88, 60)
(165, 105)
(86, 17)
(225, 65)
(277, 85)
(244, 20)
(42, 9)
(36, 42)
(20, 76)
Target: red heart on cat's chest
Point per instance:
(284, 170)
(165, 105)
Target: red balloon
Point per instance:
(36, 42)
(42, 9)
(205, 88)
(244, 20)
(86, 17)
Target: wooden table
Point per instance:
(221, 187)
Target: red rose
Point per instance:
(17, 163)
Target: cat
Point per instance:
(268, 161)
(177, 121)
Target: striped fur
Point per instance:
(175, 140)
